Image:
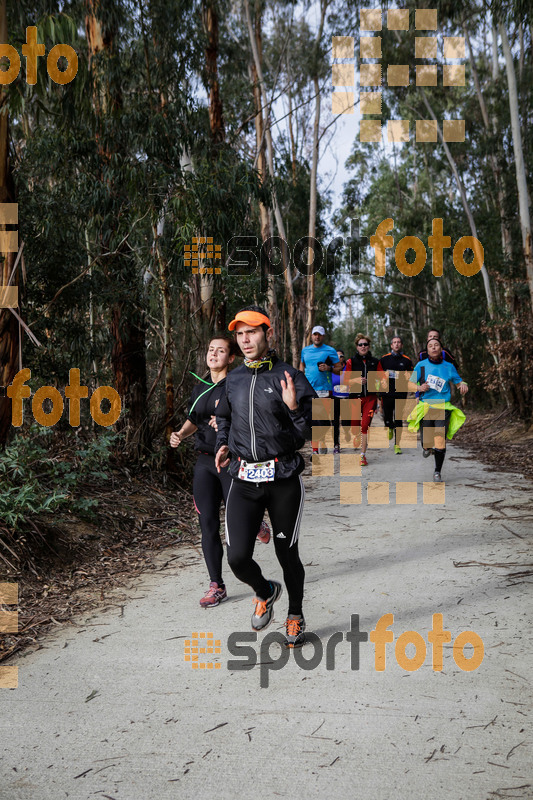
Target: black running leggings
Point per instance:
(389, 415)
(245, 508)
(210, 488)
(389, 409)
(437, 423)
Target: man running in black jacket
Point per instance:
(263, 421)
(433, 333)
(393, 364)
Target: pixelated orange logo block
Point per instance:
(9, 243)
(426, 47)
(202, 248)
(8, 624)
(199, 646)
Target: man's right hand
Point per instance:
(175, 439)
(221, 458)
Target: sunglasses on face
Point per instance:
(363, 344)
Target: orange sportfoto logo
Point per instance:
(32, 50)
(74, 392)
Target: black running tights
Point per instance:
(245, 508)
(210, 488)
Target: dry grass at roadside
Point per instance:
(499, 439)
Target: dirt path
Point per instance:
(109, 707)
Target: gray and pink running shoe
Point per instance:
(215, 594)
(264, 533)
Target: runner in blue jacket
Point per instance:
(434, 409)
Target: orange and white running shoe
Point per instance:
(264, 609)
(295, 631)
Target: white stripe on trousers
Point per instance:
(226, 513)
(296, 532)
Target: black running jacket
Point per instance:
(363, 365)
(256, 425)
(202, 406)
(398, 362)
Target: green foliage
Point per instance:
(40, 478)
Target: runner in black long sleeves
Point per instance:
(393, 364)
(210, 486)
(433, 333)
(263, 421)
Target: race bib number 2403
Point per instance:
(258, 472)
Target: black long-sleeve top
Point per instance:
(255, 423)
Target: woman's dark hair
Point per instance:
(233, 348)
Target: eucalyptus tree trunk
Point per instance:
(311, 254)
(162, 264)
(287, 274)
(216, 124)
(521, 181)
(493, 159)
(264, 212)
(210, 22)
(291, 137)
(466, 206)
(484, 272)
(128, 357)
(9, 328)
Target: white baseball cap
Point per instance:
(318, 329)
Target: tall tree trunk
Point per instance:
(9, 329)
(466, 206)
(495, 164)
(162, 264)
(216, 124)
(495, 167)
(287, 274)
(291, 137)
(521, 181)
(484, 272)
(128, 357)
(210, 22)
(264, 212)
(311, 254)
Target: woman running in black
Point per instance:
(209, 486)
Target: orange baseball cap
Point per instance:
(253, 318)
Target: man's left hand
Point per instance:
(289, 392)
